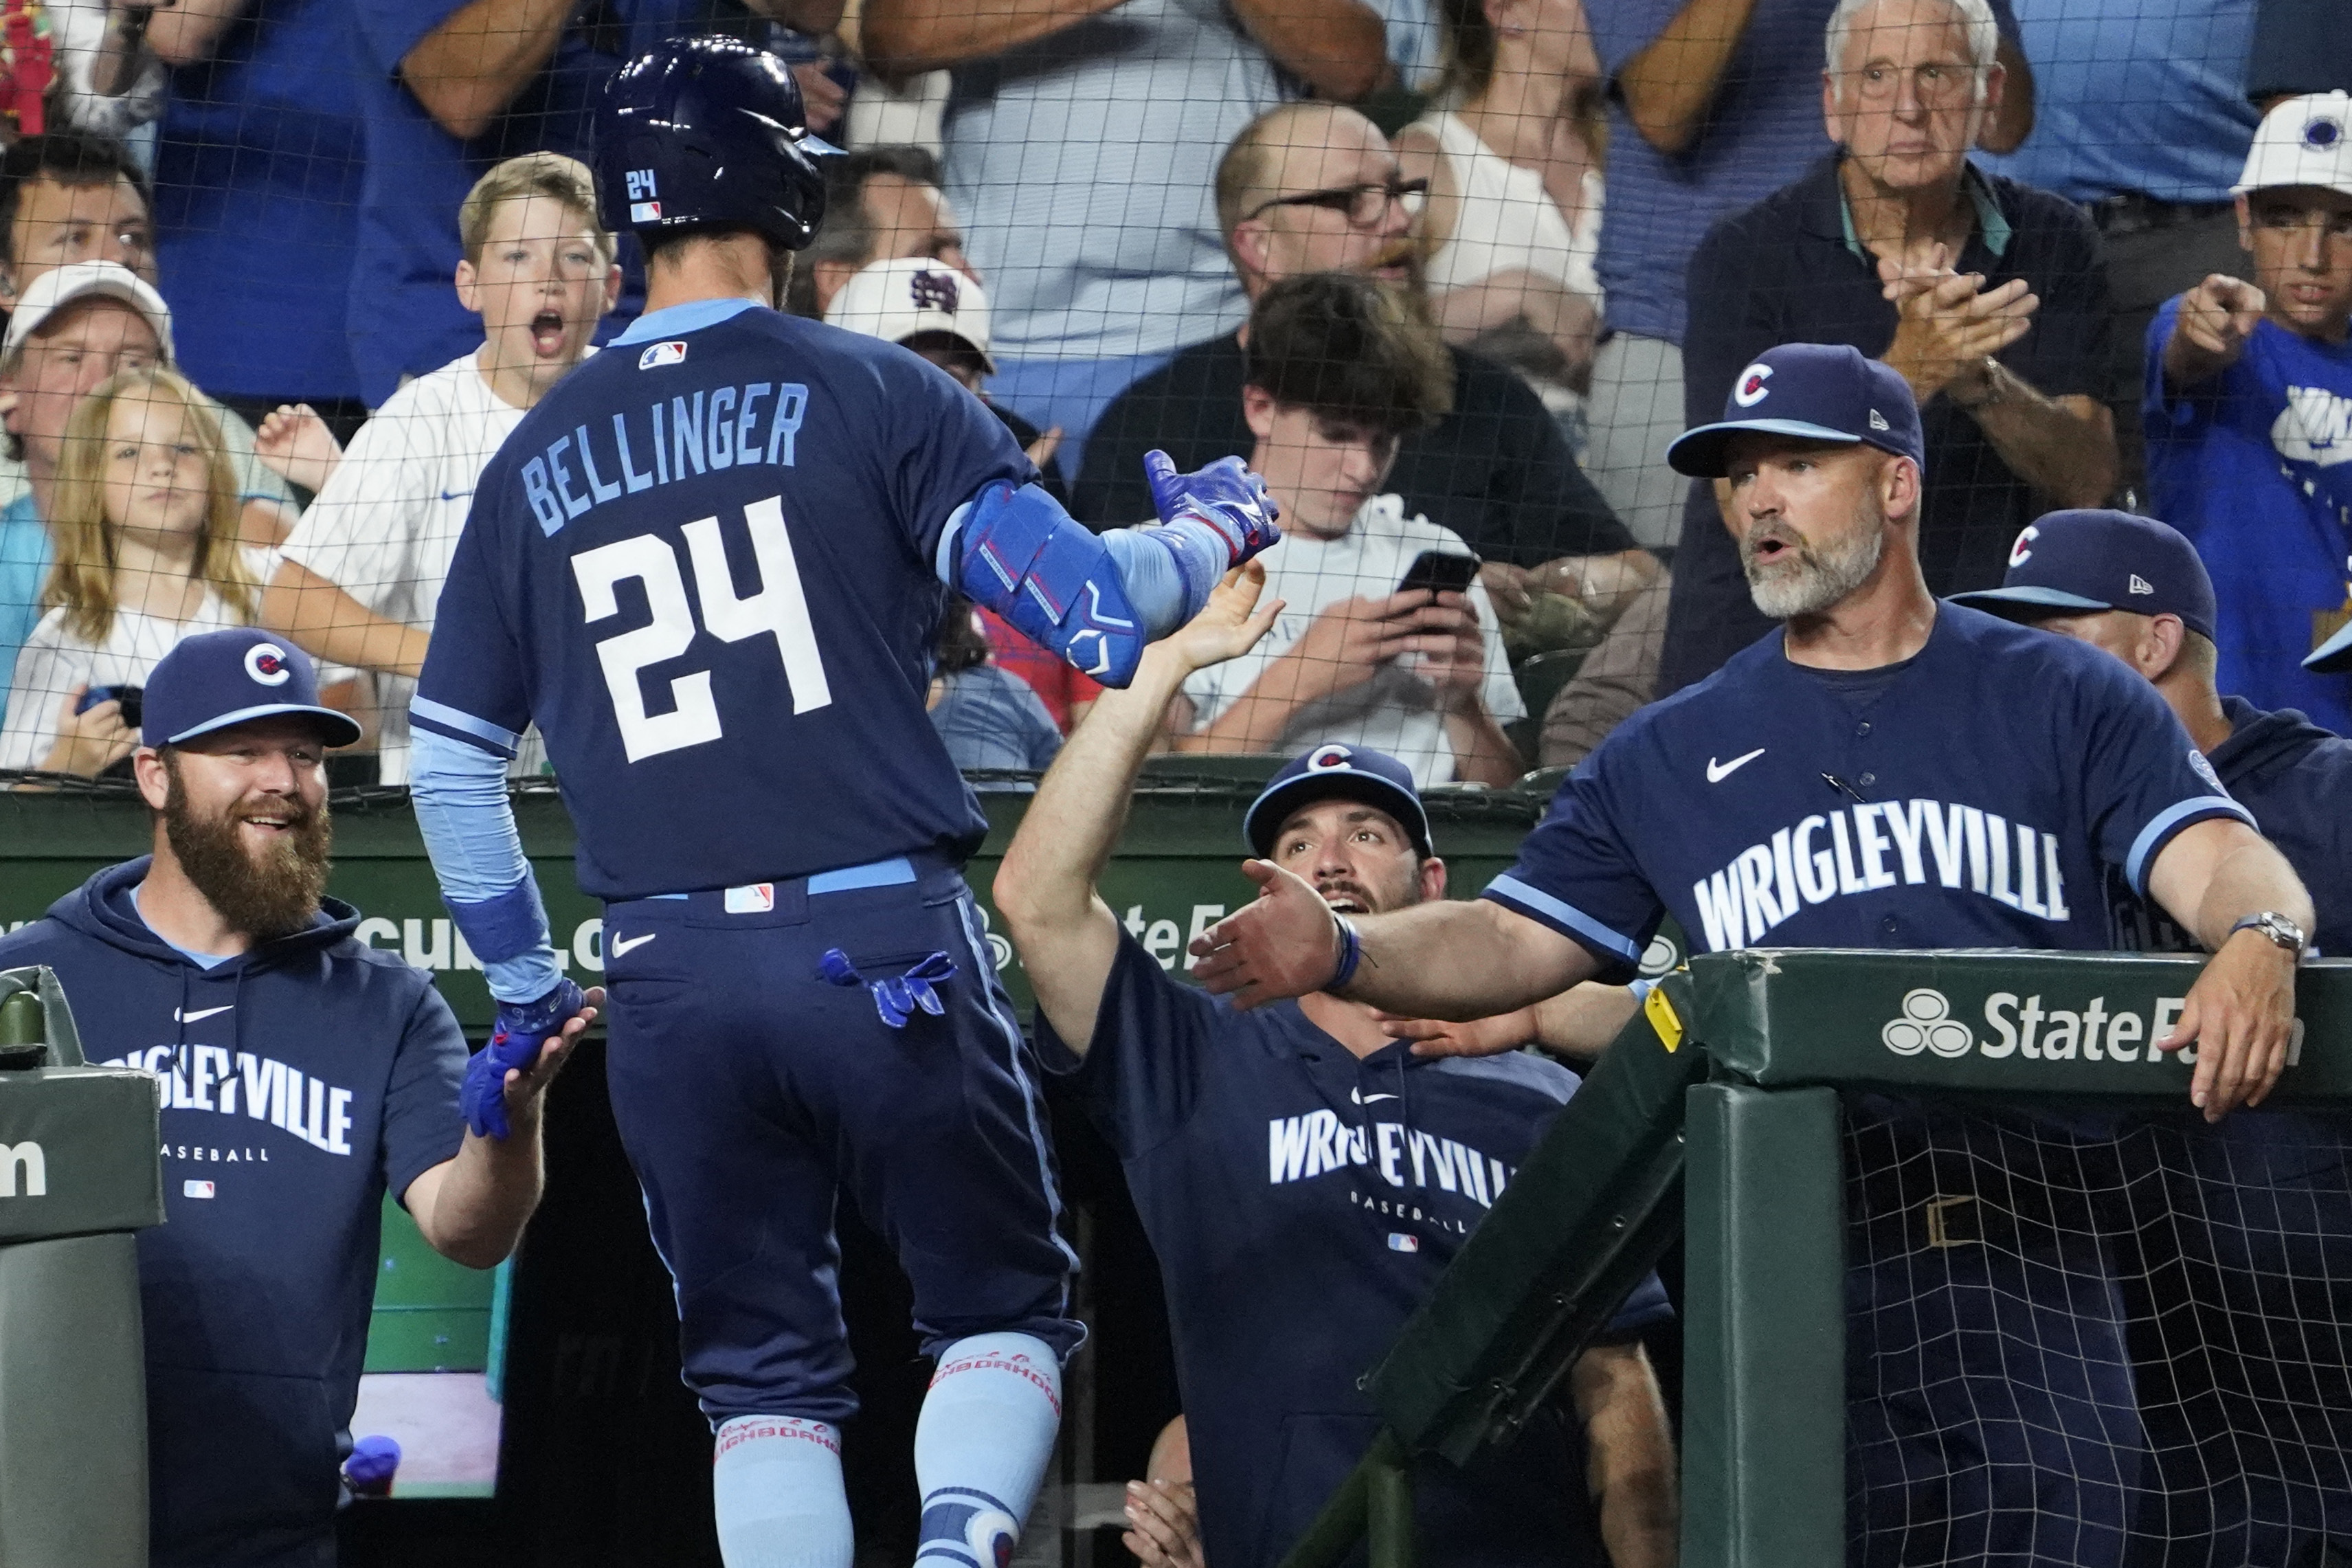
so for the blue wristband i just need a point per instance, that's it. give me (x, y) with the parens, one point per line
(1351, 953)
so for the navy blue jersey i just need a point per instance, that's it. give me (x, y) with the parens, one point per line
(300, 1082)
(1969, 798)
(1303, 1203)
(704, 567)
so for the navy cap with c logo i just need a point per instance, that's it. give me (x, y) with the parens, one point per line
(215, 679)
(1337, 771)
(2092, 559)
(1817, 392)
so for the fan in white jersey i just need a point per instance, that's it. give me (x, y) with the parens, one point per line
(361, 573)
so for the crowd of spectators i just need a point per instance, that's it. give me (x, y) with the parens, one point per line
(1592, 217)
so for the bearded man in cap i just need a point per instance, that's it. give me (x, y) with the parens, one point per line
(304, 1075)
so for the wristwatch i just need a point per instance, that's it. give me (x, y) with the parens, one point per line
(1993, 390)
(2275, 926)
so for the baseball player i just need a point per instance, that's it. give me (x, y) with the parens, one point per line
(1303, 1179)
(710, 565)
(1886, 770)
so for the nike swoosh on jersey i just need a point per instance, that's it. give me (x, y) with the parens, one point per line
(201, 1014)
(1716, 773)
(1360, 1097)
(623, 946)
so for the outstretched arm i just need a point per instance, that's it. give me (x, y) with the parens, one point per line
(330, 625)
(1066, 936)
(1445, 959)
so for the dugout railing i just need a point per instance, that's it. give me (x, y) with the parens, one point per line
(1721, 1110)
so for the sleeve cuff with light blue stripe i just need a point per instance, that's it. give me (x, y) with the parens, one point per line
(1564, 918)
(424, 713)
(2171, 820)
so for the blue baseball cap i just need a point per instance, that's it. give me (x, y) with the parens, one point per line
(1821, 391)
(2095, 559)
(218, 679)
(2332, 656)
(1334, 771)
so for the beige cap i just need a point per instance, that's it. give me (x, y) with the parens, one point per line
(2305, 140)
(898, 299)
(55, 289)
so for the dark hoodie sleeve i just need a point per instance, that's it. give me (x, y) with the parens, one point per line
(422, 1124)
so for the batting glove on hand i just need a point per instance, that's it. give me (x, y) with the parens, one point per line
(522, 1028)
(1225, 496)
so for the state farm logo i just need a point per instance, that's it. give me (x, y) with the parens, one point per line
(1926, 1025)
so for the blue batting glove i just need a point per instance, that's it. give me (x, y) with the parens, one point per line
(1225, 496)
(522, 1028)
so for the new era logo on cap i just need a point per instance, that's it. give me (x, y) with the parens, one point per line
(2141, 585)
(1877, 420)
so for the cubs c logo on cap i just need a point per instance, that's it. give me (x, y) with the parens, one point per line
(1325, 758)
(1751, 389)
(2023, 551)
(266, 662)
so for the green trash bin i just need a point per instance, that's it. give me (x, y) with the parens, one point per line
(78, 1174)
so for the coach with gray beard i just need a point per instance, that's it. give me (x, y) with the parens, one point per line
(304, 1075)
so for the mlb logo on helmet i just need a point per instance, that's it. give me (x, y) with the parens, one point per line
(266, 662)
(660, 355)
(1752, 390)
(1325, 758)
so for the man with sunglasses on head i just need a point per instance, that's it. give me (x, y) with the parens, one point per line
(2248, 407)
(1314, 187)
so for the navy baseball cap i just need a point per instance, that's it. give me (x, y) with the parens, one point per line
(219, 678)
(2095, 559)
(2332, 656)
(1822, 392)
(1334, 771)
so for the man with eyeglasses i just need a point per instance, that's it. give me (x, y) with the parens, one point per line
(1987, 296)
(1315, 188)
(2248, 413)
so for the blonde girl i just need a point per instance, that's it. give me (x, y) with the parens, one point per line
(144, 529)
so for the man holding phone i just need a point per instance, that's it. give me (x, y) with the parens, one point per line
(1385, 641)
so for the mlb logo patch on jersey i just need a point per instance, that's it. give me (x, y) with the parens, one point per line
(660, 355)
(194, 1189)
(1400, 1242)
(752, 899)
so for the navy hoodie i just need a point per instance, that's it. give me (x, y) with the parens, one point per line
(301, 1080)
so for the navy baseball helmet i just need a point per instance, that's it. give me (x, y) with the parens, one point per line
(2091, 558)
(1819, 392)
(1333, 771)
(215, 679)
(707, 133)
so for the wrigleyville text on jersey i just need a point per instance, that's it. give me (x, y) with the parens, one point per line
(1867, 846)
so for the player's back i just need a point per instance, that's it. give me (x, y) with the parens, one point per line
(704, 564)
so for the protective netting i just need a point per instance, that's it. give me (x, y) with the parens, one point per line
(1596, 217)
(2098, 1337)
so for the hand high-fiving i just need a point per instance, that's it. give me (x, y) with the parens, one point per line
(1949, 321)
(2219, 315)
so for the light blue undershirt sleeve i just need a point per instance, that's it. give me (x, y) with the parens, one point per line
(460, 795)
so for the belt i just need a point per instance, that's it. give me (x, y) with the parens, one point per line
(761, 897)
(2134, 212)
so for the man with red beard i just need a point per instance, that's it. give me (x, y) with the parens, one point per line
(304, 1075)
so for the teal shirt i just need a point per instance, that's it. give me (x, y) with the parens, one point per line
(24, 565)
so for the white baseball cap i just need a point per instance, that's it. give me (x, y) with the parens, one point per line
(898, 299)
(55, 289)
(2305, 140)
